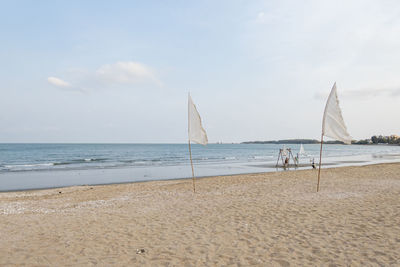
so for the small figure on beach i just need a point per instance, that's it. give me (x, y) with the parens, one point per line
(313, 164)
(286, 162)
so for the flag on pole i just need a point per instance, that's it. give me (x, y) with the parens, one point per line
(332, 123)
(197, 133)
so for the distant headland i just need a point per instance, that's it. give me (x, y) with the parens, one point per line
(376, 139)
(289, 141)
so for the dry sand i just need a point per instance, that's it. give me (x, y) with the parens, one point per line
(269, 219)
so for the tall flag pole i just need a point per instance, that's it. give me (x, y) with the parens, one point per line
(196, 132)
(332, 124)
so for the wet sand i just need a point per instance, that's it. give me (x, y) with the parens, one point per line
(268, 219)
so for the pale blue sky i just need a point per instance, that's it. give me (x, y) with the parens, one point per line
(119, 71)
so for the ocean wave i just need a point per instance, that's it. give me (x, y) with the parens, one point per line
(61, 163)
(49, 164)
(262, 157)
(140, 162)
(89, 159)
(23, 166)
(77, 161)
(28, 165)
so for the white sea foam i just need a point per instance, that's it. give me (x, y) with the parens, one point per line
(140, 163)
(28, 165)
(262, 157)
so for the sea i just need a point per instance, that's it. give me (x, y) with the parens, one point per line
(36, 166)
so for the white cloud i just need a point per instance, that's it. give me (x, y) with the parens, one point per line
(117, 75)
(58, 82)
(128, 72)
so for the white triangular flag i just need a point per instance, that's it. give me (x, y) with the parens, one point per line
(302, 151)
(333, 124)
(196, 131)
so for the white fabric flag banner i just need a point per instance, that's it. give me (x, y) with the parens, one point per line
(302, 151)
(333, 124)
(196, 131)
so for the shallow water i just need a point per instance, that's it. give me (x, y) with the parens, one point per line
(27, 166)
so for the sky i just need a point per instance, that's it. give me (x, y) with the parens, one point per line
(120, 71)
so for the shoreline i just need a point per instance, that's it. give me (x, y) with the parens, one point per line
(39, 166)
(278, 169)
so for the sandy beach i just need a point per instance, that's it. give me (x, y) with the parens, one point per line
(266, 219)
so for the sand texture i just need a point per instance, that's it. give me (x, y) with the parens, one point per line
(268, 219)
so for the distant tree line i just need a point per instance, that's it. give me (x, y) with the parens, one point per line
(361, 142)
(286, 141)
(376, 139)
(391, 139)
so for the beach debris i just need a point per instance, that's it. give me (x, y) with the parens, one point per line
(59, 192)
(140, 251)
